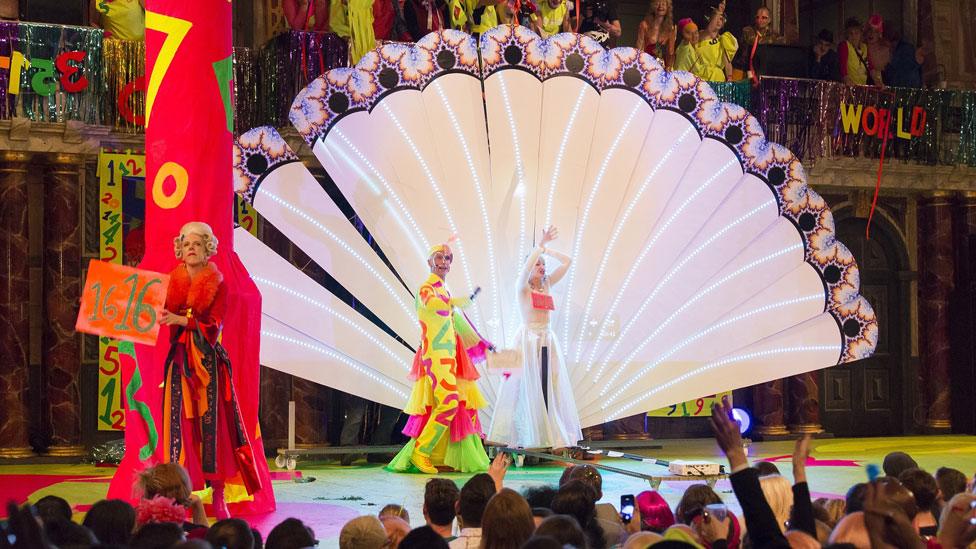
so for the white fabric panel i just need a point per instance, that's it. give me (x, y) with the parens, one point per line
(700, 336)
(623, 119)
(670, 144)
(460, 138)
(365, 175)
(292, 352)
(294, 202)
(802, 348)
(690, 207)
(295, 300)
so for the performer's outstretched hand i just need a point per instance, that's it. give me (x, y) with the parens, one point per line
(548, 235)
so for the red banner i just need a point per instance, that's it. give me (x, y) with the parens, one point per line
(188, 163)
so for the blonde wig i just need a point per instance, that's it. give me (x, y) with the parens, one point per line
(200, 229)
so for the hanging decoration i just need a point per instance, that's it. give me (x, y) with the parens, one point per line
(807, 117)
(124, 103)
(288, 63)
(119, 175)
(738, 92)
(50, 73)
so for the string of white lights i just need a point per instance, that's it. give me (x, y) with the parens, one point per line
(360, 260)
(717, 364)
(619, 226)
(691, 339)
(445, 209)
(337, 315)
(708, 290)
(557, 168)
(520, 194)
(644, 253)
(398, 209)
(483, 206)
(677, 268)
(594, 190)
(361, 369)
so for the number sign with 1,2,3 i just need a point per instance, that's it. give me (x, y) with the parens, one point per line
(122, 302)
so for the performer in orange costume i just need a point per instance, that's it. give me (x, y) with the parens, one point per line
(443, 407)
(202, 425)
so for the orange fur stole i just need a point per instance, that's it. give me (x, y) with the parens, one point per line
(197, 294)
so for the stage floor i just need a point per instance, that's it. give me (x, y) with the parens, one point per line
(339, 493)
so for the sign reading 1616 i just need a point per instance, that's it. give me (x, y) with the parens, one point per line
(122, 302)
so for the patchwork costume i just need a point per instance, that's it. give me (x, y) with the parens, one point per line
(445, 400)
(202, 425)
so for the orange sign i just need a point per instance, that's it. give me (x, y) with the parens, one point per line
(122, 302)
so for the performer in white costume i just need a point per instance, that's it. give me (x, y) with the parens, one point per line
(536, 407)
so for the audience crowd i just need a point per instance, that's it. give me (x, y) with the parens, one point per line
(905, 507)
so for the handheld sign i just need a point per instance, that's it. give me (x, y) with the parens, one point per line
(122, 302)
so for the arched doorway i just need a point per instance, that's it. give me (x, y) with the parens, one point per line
(868, 397)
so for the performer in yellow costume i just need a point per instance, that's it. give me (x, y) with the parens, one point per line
(443, 406)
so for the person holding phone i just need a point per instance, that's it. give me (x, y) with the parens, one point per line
(536, 407)
(443, 427)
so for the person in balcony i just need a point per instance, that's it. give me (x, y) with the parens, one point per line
(879, 50)
(686, 57)
(307, 15)
(823, 58)
(853, 55)
(656, 32)
(717, 48)
(121, 19)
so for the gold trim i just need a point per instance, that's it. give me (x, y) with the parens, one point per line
(66, 451)
(629, 436)
(772, 430)
(938, 424)
(17, 452)
(968, 195)
(807, 428)
(15, 156)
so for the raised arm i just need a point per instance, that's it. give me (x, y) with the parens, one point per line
(564, 263)
(526, 272)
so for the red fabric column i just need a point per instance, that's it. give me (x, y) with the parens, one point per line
(189, 140)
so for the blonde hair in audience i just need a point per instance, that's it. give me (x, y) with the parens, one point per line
(779, 495)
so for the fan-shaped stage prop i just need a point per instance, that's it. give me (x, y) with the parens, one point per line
(702, 260)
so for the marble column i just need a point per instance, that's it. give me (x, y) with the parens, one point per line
(62, 291)
(804, 403)
(964, 229)
(935, 284)
(14, 306)
(768, 408)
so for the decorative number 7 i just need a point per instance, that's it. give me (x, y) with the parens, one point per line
(176, 30)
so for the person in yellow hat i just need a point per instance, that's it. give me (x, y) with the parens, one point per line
(444, 427)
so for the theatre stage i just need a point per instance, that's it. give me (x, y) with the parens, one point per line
(339, 493)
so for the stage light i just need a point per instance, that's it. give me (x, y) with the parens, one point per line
(742, 416)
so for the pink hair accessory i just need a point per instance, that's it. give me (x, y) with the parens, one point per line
(160, 509)
(876, 22)
(682, 23)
